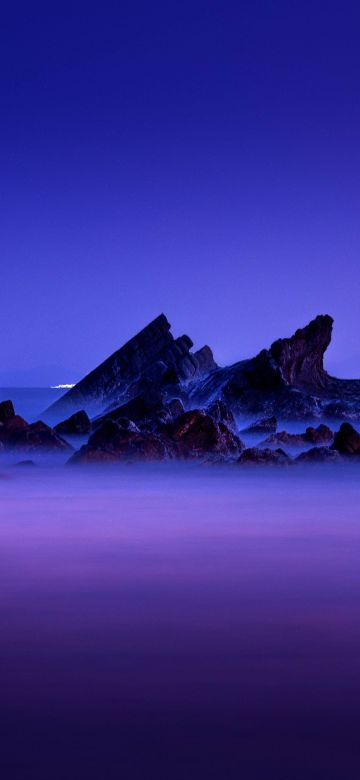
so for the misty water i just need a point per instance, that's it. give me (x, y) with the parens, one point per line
(179, 622)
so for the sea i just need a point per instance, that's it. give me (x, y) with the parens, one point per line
(178, 622)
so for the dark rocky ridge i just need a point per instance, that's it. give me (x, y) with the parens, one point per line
(287, 380)
(153, 358)
(17, 435)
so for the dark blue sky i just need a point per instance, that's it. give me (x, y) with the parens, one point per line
(200, 159)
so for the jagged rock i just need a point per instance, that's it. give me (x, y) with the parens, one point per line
(6, 411)
(199, 434)
(149, 412)
(320, 435)
(347, 440)
(191, 435)
(318, 455)
(112, 430)
(124, 445)
(153, 358)
(221, 413)
(288, 380)
(139, 408)
(76, 425)
(17, 434)
(266, 456)
(300, 358)
(264, 425)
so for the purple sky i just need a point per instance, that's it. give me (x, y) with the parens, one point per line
(196, 158)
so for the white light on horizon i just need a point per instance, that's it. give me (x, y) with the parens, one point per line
(62, 387)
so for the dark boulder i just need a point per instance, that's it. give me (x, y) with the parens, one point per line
(6, 411)
(17, 434)
(125, 446)
(76, 425)
(198, 434)
(347, 440)
(320, 435)
(318, 455)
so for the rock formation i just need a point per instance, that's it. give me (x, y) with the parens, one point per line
(288, 380)
(152, 359)
(18, 435)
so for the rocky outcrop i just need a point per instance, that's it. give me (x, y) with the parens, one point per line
(6, 411)
(77, 425)
(221, 413)
(300, 359)
(347, 440)
(318, 455)
(288, 380)
(18, 435)
(192, 435)
(199, 434)
(152, 359)
(265, 425)
(312, 436)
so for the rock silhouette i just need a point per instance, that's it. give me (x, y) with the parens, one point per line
(288, 380)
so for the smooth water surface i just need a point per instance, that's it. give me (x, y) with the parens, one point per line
(180, 624)
(188, 623)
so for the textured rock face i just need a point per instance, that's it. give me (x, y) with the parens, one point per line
(312, 436)
(300, 359)
(76, 425)
(319, 455)
(192, 435)
(152, 359)
(287, 380)
(199, 434)
(18, 435)
(347, 440)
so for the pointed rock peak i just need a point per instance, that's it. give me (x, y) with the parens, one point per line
(300, 358)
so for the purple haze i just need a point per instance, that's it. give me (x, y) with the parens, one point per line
(197, 158)
(177, 623)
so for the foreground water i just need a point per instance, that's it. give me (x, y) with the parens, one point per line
(197, 623)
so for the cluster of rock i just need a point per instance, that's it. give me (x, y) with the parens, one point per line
(155, 399)
(168, 432)
(287, 380)
(19, 436)
(149, 428)
(165, 432)
(152, 360)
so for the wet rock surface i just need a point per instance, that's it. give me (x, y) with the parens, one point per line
(288, 380)
(192, 435)
(153, 359)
